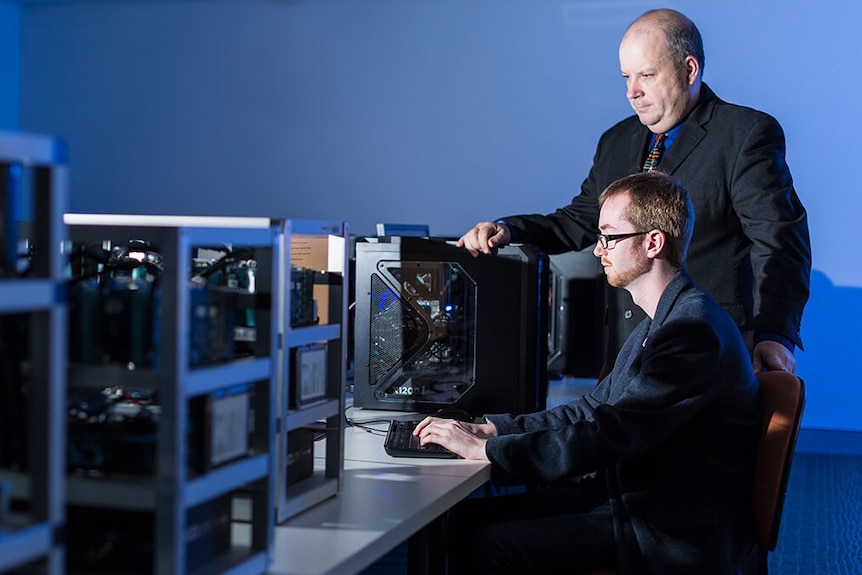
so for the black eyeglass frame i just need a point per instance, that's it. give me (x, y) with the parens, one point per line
(606, 239)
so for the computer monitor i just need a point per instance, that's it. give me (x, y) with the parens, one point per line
(416, 230)
(437, 328)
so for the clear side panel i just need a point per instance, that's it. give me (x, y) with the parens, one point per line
(422, 331)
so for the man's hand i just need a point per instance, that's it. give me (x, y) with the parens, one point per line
(466, 440)
(485, 236)
(772, 356)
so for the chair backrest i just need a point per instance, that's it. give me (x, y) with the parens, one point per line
(782, 396)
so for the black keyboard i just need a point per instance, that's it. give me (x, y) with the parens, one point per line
(400, 442)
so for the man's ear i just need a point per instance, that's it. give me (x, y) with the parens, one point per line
(655, 243)
(691, 67)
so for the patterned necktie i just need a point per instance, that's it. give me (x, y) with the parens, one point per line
(655, 153)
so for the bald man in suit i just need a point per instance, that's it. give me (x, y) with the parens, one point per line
(750, 250)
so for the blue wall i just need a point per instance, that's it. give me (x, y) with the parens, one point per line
(10, 65)
(439, 112)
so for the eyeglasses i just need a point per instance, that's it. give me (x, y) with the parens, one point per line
(609, 241)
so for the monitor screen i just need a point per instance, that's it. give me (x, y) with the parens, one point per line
(417, 230)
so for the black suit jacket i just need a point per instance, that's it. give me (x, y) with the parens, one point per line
(751, 249)
(675, 425)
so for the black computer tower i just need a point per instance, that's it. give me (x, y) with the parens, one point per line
(576, 320)
(438, 329)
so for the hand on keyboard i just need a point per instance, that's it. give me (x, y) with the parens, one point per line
(400, 442)
(465, 438)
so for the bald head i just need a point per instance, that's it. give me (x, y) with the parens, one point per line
(660, 58)
(681, 36)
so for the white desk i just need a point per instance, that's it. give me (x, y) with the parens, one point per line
(384, 500)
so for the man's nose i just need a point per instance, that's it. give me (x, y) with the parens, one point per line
(598, 250)
(633, 89)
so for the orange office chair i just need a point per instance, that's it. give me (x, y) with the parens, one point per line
(782, 397)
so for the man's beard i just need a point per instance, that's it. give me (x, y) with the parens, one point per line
(622, 278)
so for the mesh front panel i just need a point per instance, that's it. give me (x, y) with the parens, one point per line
(396, 332)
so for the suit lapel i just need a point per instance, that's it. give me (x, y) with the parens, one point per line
(692, 133)
(636, 154)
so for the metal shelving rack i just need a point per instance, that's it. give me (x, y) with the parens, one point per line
(322, 247)
(172, 491)
(33, 192)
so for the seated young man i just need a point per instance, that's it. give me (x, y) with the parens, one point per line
(662, 449)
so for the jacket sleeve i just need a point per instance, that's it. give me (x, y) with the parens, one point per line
(776, 223)
(595, 432)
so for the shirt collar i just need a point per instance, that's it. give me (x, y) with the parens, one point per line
(669, 136)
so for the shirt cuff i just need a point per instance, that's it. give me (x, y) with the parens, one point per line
(772, 336)
(513, 235)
